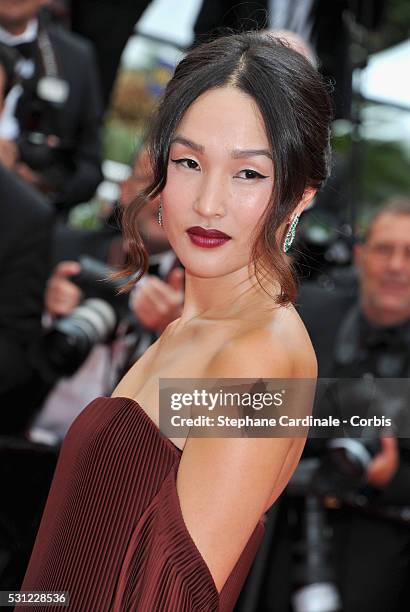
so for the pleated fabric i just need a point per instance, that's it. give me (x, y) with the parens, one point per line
(112, 532)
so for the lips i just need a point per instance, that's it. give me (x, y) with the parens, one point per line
(211, 233)
(207, 239)
(395, 286)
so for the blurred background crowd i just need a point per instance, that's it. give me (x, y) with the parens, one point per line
(78, 83)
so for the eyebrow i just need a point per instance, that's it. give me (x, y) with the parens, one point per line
(236, 153)
(187, 143)
(239, 153)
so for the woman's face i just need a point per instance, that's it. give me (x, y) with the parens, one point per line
(220, 176)
(14, 14)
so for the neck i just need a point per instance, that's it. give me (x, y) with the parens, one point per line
(15, 28)
(383, 317)
(223, 297)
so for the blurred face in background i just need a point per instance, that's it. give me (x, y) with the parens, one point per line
(383, 263)
(15, 14)
(152, 233)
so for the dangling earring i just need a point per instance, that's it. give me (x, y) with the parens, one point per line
(160, 213)
(290, 235)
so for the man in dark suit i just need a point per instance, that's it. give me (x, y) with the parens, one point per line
(59, 112)
(25, 237)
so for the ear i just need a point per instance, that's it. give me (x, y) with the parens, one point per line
(306, 200)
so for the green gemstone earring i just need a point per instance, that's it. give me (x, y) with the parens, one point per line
(290, 234)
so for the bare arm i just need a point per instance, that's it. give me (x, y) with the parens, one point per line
(226, 484)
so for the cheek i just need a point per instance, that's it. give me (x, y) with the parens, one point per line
(375, 271)
(370, 269)
(178, 194)
(249, 206)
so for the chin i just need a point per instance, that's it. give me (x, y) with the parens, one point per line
(204, 271)
(209, 269)
(392, 305)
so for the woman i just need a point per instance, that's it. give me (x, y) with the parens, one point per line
(137, 521)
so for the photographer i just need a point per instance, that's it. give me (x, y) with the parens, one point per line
(141, 319)
(365, 339)
(59, 111)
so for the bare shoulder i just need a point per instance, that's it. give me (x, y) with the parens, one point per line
(278, 348)
(226, 484)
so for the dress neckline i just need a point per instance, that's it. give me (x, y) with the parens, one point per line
(151, 423)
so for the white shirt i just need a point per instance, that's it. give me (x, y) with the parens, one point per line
(25, 67)
(9, 128)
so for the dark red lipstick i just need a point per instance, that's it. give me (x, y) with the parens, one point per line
(207, 239)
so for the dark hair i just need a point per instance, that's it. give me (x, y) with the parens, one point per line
(295, 105)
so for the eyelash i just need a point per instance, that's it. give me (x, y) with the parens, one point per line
(180, 162)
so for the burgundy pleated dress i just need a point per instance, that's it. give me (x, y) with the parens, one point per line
(112, 532)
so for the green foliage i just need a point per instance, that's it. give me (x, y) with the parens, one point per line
(86, 216)
(397, 21)
(120, 140)
(385, 172)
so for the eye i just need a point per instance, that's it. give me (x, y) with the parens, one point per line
(250, 174)
(186, 163)
(382, 249)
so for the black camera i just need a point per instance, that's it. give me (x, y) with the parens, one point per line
(42, 143)
(39, 144)
(65, 346)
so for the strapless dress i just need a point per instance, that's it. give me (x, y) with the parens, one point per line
(112, 532)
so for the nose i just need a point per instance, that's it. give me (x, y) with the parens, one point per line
(397, 260)
(212, 196)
